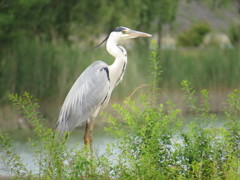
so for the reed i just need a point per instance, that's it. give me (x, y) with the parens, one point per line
(206, 68)
(48, 69)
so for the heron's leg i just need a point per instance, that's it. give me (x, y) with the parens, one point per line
(86, 136)
(90, 134)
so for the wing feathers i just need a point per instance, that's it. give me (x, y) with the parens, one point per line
(85, 97)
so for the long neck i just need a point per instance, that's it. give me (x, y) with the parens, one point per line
(117, 69)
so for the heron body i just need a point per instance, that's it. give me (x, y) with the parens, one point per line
(87, 95)
(92, 90)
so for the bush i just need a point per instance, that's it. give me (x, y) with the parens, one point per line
(194, 36)
(52, 156)
(234, 34)
(153, 143)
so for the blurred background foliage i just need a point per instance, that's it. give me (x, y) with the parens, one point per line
(194, 36)
(50, 19)
(44, 44)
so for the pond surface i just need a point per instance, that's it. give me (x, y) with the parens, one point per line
(24, 149)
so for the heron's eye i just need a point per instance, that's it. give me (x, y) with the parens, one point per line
(125, 31)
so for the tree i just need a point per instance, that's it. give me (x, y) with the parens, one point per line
(57, 18)
(158, 13)
(19, 18)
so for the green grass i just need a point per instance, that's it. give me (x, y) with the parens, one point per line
(48, 69)
(42, 68)
(205, 68)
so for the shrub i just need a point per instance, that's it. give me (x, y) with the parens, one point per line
(153, 142)
(234, 34)
(194, 36)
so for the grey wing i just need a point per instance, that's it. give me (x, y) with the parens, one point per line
(85, 97)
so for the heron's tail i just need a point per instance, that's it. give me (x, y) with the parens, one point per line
(60, 131)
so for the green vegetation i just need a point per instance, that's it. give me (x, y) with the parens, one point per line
(44, 48)
(44, 43)
(234, 34)
(51, 19)
(39, 66)
(48, 70)
(152, 141)
(211, 68)
(194, 36)
(37, 52)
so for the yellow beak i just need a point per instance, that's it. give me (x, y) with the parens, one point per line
(134, 34)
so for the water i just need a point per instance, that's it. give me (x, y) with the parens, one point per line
(23, 147)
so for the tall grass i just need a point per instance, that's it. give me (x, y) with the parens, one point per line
(48, 69)
(205, 68)
(42, 68)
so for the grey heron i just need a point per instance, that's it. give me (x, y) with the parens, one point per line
(92, 90)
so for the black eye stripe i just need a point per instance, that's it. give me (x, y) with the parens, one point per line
(119, 29)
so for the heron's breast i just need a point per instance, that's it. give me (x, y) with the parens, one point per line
(116, 75)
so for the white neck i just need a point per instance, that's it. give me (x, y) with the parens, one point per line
(116, 70)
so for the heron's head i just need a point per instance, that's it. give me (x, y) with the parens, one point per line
(123, 33)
